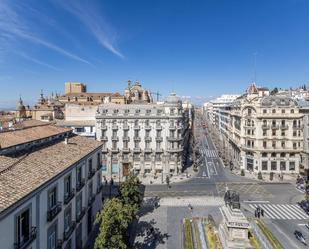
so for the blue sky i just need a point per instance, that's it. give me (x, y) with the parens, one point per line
(196, 48)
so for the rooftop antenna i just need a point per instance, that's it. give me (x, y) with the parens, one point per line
(254, 54)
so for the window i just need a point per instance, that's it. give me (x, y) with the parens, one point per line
(52, 198)
(79, 129)
(282, 155)
(147, 157)
(264, 165)
(147, 145)
(158, 157)
(282, 122)
(273, 132)
(264, 144)
(158, 133)
(292, 154)
(158, 145)
(147, 133)
(67, 186)
(273, 154)
(294, 133)
(23, 227)
(282, 133)
(114, 133)
(249, 111)
(274, 144)
(125, 144)
(79, 204)
(283, 144)
(264, 132)
(292, 166)
(273, 165)
(67, 218)
(52, 237)
(264, 111)
(292, 110)
(136, 133)
(90, 165)
(264, 154)
(283, 111)
(273, 111)
(282, 165)
(294, 146)
(136, 144)
(114, 145)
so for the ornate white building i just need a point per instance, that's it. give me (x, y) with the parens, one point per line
(146, 138)
(263, 133)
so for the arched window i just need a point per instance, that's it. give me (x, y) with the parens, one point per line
(292, 110)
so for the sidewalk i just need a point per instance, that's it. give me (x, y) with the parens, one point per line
(158, 180)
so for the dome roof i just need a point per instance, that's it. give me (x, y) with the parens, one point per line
(173, 99)
(20, 106)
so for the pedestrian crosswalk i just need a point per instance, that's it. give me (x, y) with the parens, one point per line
(211, 153)
(281, 211)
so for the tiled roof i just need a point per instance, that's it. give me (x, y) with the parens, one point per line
(22, 175)
(92, 94)
(12, 138)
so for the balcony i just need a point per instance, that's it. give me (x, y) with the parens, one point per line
(99, 189)
(80, 216)
(136, 138)
(298, 127)
(27, 240)
(114, 150)
(159, 127)
(284, 127)
(147, 127)
(125, 150)
(126, 138)
(68, 196)
(137, 127)
(148, 150)
(91, 173)
(103, 127)
(159, 150)
(104, 138)
(114, 127)
(180, 149)
(53, 212)
(172, 127)
(104, 150)
(125, 159)
(80, 185)
(159, 139)
(148, 139)
(125, 127)
(174, 138)
(265, 126)
(274, 126)
(137, 150)
(115, 138)
(68, 233)
(91, 200)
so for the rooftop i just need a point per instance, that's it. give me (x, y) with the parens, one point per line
(19, 176)
(28, 134)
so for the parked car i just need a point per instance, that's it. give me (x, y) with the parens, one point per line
(300, 237)
(304, 205)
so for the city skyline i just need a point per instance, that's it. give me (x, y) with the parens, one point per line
(186, 48)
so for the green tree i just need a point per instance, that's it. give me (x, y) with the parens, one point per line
(114, 220)
(130, 191)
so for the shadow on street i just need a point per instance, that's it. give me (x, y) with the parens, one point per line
(151, 235)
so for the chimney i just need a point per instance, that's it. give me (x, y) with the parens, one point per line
(66, 139)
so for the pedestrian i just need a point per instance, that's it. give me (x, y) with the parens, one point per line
(258, 214)
(262, 212)
(255, 213)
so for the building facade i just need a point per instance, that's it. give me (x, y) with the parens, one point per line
(146, 138)
(50, 188)
(263, 133)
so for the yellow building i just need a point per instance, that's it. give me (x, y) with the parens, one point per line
(74, 87)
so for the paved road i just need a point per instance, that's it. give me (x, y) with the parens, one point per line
(283, 217)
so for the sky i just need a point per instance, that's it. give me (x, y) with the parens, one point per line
(195, 48)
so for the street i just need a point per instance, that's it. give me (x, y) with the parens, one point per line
(279, 200)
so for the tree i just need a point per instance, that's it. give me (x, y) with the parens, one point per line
(114, 220)
(274, 91)
(130, 191)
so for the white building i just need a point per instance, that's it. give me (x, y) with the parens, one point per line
(144, 137)
(50, 185)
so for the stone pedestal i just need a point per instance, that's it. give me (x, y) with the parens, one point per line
(234, 228)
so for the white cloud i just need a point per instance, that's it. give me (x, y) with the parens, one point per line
(13, 27)
(29, 58)
(93, 20)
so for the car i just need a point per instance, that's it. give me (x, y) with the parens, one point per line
(304, 204)
(300, 237)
